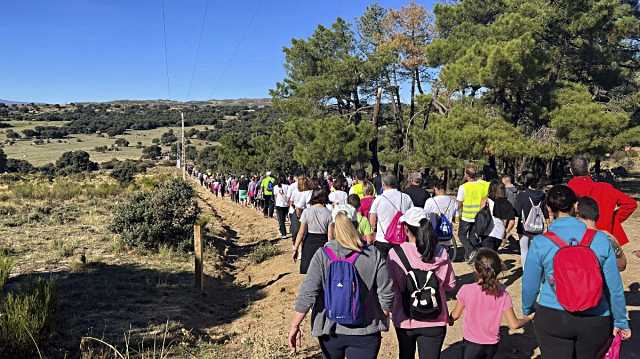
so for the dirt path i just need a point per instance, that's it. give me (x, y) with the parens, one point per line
(260, 332)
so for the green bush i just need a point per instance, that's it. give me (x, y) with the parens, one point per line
(126, 171)
(75, 162)
(263, 252)
(164, 215)
(26, 317)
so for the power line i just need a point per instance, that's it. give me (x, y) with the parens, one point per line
(166, 60)
(197, 53)
(241, 40)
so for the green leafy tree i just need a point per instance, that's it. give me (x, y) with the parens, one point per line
(75, 162)
(152, 152)
(3, 161)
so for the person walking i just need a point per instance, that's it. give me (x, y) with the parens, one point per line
(578, 310)
(358, 186)
(415, 191)
(504, 216)
(484, 304)
(384, 209)
(420, 253)
(267, 185)
(370, 296)
(530, 198)
(243, 189)
(471, 197)
(367, 200)
(314, 229)
(280, 191)
(339, 195)
(615, 206)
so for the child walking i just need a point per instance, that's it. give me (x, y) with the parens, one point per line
(484, 303)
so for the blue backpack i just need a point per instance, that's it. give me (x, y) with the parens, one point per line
(442, 225)
(342, 290)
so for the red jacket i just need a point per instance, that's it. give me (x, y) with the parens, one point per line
(615, 207)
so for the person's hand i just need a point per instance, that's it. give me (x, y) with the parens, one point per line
(624, 333)
(294, 254)
(531, 316)
(295, 338)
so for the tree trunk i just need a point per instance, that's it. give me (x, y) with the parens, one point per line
(375, 120)
(418, 82)
(429, 109)
(445, 178)
(356, 103)
(597, 167)
(412, 108)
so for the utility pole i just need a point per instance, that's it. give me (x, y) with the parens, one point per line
(183, 164)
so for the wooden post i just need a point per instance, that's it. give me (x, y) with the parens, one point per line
(198, 249)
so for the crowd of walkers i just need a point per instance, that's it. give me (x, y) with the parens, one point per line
(373, 254)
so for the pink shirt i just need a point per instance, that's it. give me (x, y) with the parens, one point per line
(443, 269)
(365, 206)
(482, 313)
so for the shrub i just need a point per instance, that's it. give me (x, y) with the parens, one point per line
(166, 214)
(26, 315)
(101, 149)
(3, 161)
(121, 142)
(126, 171)
(263, 252)
(19, 166)
(75, 162)
(152, 152)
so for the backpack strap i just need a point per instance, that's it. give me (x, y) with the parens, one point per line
(588, 237)
(329, 252)
(555, 239)
(351, 258)
(403, 258)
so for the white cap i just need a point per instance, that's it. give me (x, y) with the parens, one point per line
(268, 173)
(413, 216)
(348, 210)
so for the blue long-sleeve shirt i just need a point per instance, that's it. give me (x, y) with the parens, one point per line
(539, 268)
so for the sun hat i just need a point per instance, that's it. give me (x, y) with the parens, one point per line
(268, 173)
(413, 216)
(348, 210)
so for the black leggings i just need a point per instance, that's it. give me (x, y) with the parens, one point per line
(564, 335)
(428, 340)
(338, 346)
(479, 351)
(282, 216)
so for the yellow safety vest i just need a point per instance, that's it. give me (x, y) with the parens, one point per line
(358, 189)
(474, 193)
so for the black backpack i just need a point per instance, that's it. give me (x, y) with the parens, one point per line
(421, 297)
(483, 224)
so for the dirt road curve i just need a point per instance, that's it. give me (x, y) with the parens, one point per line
(261, 329)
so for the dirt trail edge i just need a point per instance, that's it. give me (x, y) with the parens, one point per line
(264, 306)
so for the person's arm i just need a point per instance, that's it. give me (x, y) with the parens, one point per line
(384, 285)
(307, 296)
(460, 199)
(626, 206)
(330, 231)
(456, 313)
(373, 219)
(616, 290)
(450, 278)
(532, 277)
(515, 322)
(510, 224)
(299, 239)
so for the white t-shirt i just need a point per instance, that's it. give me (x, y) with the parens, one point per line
(280, 193)
(385, 207)
(446, 205)
(498, 224)
(291, 192)
(338, 197)
(302, 199)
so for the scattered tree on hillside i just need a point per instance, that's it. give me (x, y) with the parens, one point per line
(75, 162)
(152, 152)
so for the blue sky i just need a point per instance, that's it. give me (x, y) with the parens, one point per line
(100, 50)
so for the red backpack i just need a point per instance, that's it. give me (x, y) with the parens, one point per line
(577, 275)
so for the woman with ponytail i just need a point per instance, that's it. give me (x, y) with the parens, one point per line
(484, 303)
(423, 254)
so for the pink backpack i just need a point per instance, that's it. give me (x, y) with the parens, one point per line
(395, 233)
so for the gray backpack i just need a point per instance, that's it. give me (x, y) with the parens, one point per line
(534, 223)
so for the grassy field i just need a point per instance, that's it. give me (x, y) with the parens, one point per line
(49, 152)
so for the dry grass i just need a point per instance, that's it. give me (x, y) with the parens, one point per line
(49, 152)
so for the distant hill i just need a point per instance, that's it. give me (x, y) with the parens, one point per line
(226, 102)
(9, 102)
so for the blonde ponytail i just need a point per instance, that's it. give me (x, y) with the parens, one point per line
(346, 234)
